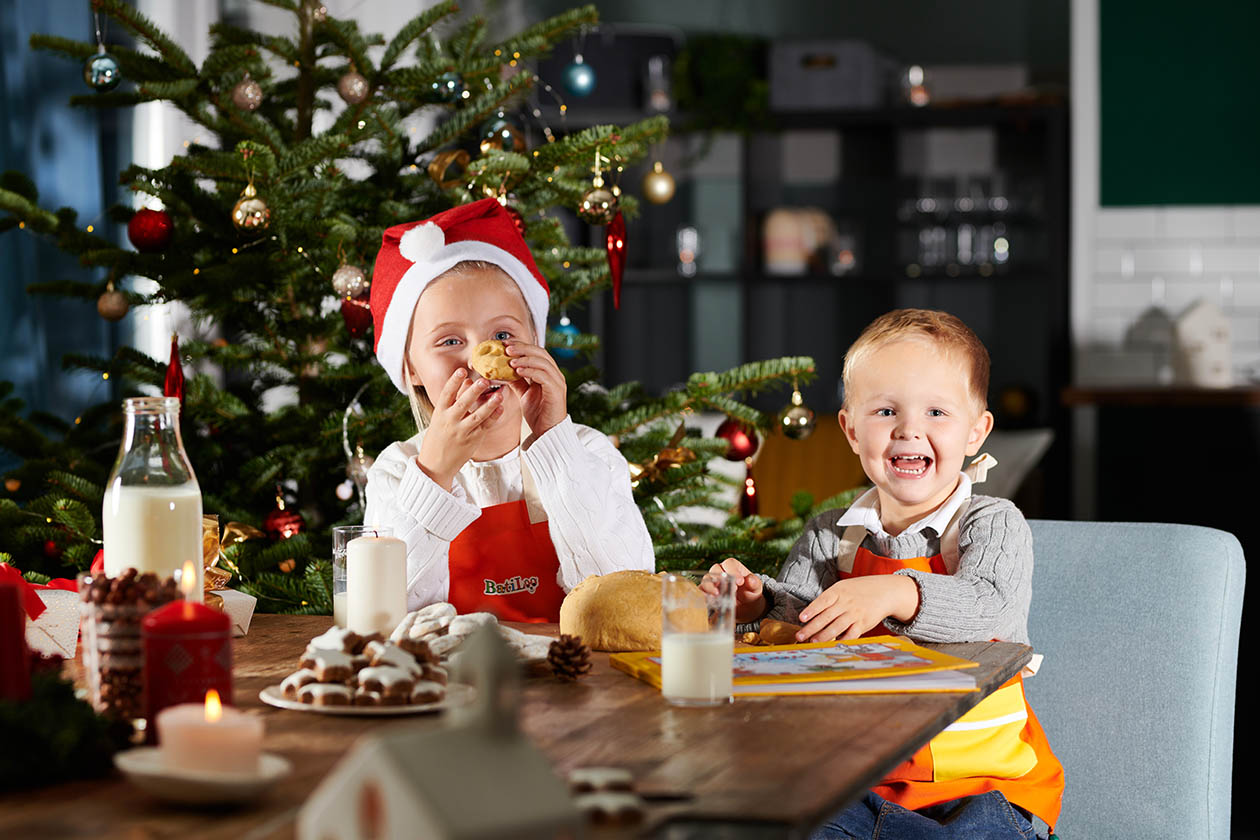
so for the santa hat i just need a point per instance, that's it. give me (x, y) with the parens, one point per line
(414, 254)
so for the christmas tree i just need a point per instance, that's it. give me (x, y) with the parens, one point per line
(263, 232)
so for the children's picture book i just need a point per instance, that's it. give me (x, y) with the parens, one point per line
(876, 664)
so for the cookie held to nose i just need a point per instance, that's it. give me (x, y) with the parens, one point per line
(490, 360)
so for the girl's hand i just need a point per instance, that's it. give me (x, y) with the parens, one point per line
(750, 598)
(457, 426)
(541, 389)
(849, 608)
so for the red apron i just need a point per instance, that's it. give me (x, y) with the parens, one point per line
(504, 564)
(997, 745)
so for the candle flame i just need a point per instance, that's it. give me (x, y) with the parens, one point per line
(214, 708)
(188, 579)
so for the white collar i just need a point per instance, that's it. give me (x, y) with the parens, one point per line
(865, 512)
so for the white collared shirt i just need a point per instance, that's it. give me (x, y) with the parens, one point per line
(865, 512)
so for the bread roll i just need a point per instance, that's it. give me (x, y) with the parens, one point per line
(775, 632)
(617, 612)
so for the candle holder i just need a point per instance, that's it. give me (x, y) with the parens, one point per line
(112, 608)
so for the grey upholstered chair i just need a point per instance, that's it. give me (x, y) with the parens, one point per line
(1139, 626)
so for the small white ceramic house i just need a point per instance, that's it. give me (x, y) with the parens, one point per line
(1201, 347)
(475, 779)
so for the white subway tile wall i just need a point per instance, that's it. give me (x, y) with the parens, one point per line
(1168, 257)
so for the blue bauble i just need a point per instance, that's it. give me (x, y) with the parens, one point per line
(579, 78)
(569, 331)
(448, 87)
(101, 71)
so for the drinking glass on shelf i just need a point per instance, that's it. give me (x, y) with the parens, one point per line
(342, 535)
(697, 640)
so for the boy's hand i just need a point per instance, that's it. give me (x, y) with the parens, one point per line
(750, 598)
(849, 608)
(457, 426)
(542, 387)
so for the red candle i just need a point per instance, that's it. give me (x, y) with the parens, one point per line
(15, 664)
(187, 652)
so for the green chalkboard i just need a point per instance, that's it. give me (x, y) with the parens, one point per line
(1180, 102)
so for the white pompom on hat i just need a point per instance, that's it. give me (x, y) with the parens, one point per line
(415, 254)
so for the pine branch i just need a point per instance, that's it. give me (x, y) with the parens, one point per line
(144, 29)
(413, 29)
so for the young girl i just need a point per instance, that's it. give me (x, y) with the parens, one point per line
(504, 502)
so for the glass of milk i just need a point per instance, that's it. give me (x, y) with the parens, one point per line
(342, 535)
(697, 640)
(151, 518)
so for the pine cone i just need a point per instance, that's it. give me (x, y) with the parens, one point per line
(568, 657)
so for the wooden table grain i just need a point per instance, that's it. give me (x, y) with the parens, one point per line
(765, 766)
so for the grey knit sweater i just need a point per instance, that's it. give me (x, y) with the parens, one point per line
(986, 598)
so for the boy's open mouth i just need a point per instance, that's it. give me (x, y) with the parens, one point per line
(910, 465)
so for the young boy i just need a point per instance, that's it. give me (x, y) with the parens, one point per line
(919, 555)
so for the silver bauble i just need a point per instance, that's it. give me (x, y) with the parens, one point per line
(349, 281)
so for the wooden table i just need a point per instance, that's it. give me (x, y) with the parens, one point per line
(769, 767)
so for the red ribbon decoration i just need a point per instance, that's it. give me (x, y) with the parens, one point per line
(31, 602)
(615, 241)
(174, 384)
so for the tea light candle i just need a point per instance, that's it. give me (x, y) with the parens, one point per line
(376, 584)
(197, 737)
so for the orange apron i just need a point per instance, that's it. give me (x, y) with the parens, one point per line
(998, 745)
(504, 564)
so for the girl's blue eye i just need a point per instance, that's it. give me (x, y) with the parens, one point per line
(935, 412)
(884, 412)
(502, 335)
(448, 342)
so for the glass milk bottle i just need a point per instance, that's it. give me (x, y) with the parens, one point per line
(152, 512)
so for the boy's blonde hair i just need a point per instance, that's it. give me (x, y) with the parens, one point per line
(421, 405)
(941, 329)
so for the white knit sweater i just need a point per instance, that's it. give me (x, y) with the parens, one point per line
(582, 481)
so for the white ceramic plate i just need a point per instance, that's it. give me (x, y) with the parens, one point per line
(145, 767)
(457, 694)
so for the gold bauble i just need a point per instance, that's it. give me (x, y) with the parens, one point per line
(598, 206)
(112, 305)
(353, 88)
(797, 420)
(658, 185)
(250, 213)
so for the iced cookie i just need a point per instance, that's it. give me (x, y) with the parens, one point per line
(329, 665)
(435, 673)
(291, 684)
(337, 638)
(443, 645)
(490, 359)
(419, 649)
(463, 625)
(381, 653)
(387, 680)
(325, 694)
(587, 779)
(427, 692)
(610, 807)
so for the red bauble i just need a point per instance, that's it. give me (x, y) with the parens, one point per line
(51, 549)
(357, 314)
(615, 241)
(150, 230)
(742, 438)
(282, 522)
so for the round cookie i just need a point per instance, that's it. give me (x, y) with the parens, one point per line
(490, 360)
(620, 611)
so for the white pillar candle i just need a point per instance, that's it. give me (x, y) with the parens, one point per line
(209, 737)
(376, 584)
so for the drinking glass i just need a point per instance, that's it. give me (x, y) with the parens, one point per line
(697, 640)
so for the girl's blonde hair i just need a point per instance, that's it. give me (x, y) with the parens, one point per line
(421, 405)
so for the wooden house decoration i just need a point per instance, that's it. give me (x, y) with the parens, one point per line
(1201, 347)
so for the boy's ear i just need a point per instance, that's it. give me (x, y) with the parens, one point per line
(979, 432)
(850, 429)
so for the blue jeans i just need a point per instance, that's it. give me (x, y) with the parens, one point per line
(987, 816)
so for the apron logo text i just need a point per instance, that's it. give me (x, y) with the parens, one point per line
(511, 586)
